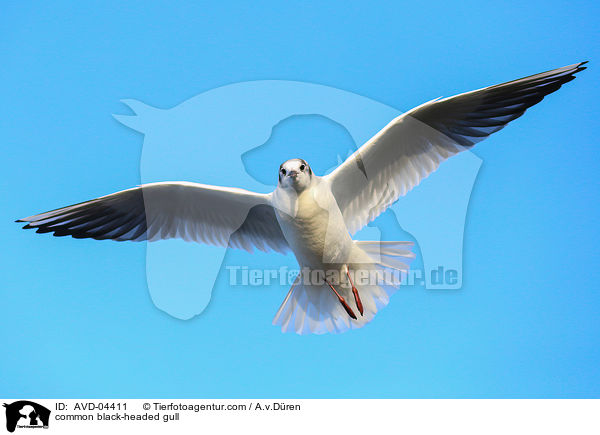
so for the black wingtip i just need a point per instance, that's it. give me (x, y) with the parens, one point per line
(580, 66)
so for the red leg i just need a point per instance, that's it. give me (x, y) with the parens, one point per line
(355, 293)
(342, 301)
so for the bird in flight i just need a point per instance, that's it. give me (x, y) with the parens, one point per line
(343, 282)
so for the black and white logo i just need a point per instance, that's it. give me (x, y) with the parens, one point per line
(26, 414)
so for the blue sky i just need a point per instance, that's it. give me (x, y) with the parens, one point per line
(78, 320)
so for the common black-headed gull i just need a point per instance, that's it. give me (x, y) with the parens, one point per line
(314, 216)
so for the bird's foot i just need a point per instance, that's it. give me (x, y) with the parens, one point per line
(342, 301)
(359, 304)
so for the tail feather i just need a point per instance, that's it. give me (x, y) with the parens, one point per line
(315, 309)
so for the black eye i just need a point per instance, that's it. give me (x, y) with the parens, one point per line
(302, 167)
(283, 171)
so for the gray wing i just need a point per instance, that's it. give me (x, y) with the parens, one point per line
(413, 145)
(214, 215)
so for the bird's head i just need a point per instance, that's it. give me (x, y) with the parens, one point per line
(295, 174)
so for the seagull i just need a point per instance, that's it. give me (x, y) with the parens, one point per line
(344, 282)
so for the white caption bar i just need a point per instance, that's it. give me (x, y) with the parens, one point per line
(290, 416)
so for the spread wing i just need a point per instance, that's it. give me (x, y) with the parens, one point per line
(413, 145)
(214, 215)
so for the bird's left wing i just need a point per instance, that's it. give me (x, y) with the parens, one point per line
(214, 215)
(413, 145)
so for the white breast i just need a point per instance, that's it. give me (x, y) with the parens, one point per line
(313, 225)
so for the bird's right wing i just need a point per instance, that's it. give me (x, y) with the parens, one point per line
(414, 144)
(214, 215)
